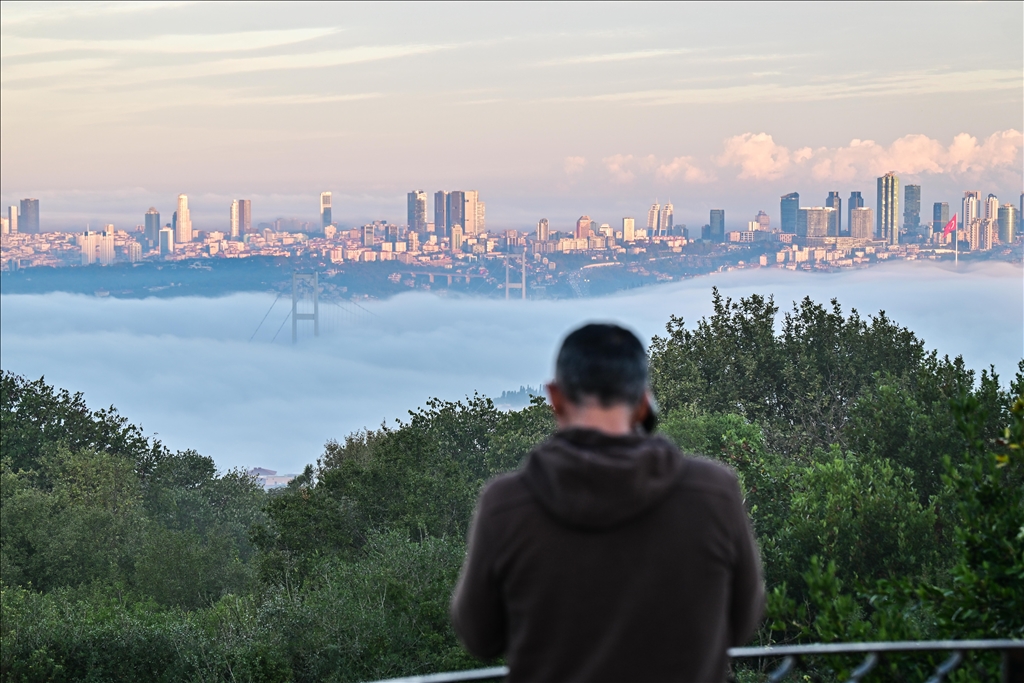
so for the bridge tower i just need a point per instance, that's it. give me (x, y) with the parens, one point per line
(314, 280)
(509, 285)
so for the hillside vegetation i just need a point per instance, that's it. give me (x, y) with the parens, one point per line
(886, 485)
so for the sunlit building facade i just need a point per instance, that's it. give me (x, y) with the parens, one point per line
(836, 202)
(887, 217)
(416, 211)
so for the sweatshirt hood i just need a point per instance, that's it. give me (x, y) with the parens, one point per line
(588, 479)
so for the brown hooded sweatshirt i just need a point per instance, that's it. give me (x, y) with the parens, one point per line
(610, 559)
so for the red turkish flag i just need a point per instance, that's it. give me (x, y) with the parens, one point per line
(950, 226)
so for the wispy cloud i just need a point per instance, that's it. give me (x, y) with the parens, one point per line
(111, 77)
(51, 12)
(18, 46)
(839, 87)
(615, 57)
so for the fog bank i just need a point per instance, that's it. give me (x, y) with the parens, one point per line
(185, 369)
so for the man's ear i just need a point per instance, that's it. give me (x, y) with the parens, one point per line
(557, 399)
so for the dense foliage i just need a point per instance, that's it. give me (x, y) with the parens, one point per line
(886, 486)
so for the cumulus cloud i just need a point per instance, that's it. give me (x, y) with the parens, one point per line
(759, 157)
(686, 169)
(184, 367)
(574, 165)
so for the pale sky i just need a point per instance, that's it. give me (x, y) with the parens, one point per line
(547, 110)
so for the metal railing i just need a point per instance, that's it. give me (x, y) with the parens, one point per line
(1012, 668)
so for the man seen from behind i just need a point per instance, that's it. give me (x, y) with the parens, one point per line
(609, 556)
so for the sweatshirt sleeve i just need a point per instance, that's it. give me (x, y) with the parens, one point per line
(477, 610)
(748, 599)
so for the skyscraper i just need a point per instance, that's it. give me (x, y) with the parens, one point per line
(325, 210)
(152, 229)
(583, 228)
(1008, 223)
(245, 216)
(232, 220)
(456, 210)
(105, 252)
(991, 208)
(29, 219)
(717, 224)
(469, 227)
(912, 208)
(481, 217)
(856, 201)
(836, 202)
(166, 242)
(789, 205)
(456, 238)
(416, 210)
(862, 223)
(441, 213)
(628, 230)
(888, 199)
(970, 208)
(543, 230)
(368, 236)
(665, 219)
(763, 221)
(815, 221)
(12, 219)
(652, 219)
(183, 226)
(88, 241)
(940, 215)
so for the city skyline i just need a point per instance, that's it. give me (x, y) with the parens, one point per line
(557, 112)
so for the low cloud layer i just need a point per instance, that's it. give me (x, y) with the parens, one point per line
(184, 368)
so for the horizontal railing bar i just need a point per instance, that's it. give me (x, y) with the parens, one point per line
(880, 646)
(499, 672)
(488, 674)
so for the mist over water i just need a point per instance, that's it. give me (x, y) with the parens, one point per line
(186, 370)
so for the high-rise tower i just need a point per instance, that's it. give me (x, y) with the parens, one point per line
(912, 208)
(628, 230)
(888, 200)
(970, 208)
(441, 213)
(584, 228)
(991, 208)
(856, 201)
(665, 219)
(469, 213)
(789, 205)
(717, 224)
(416, 211)
(233, 230)
(12, 219)
(652, 219)
(543, 230)
(861, 223)
(834, 201)
(244, 216)
(152, 231)
(183, 226)
(940, 215)
(29, 219)
(1009, 221)
(326, 217)
(456, 210)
